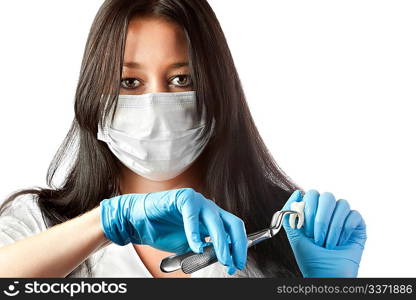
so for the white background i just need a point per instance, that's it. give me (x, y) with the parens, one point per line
(331, 86)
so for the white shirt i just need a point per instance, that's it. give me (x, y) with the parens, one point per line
(23, 218)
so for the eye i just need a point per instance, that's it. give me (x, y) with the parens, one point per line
(129, 83)
(184, 80)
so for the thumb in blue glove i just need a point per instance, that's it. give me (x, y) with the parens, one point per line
(175, 221)
(332, 239)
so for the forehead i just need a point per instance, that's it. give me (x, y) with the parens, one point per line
(152, 40)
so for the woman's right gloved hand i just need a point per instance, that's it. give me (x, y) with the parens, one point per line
(175, 221)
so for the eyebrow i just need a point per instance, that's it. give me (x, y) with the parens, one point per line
(136, 65)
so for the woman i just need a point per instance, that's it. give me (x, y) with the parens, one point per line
(167, 154)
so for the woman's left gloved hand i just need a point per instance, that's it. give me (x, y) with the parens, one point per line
(331, 241)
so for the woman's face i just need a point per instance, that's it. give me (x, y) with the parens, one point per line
(155, 58)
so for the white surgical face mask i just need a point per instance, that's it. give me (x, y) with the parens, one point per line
(156, 135)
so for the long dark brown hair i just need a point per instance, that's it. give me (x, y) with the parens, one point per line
(241, 176)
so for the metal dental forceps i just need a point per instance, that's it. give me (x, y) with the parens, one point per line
(190, 262)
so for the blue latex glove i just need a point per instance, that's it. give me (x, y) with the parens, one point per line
(175, 221)
(332, 239)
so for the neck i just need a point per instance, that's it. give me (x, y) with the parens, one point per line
(132, 183)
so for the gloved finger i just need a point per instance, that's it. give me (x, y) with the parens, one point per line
(218, 235)
(326, 206)
(237, 232)
(181, 250)
(231, 270)
(190, 214)
(352, 221)
(296, 196)
(342, 209)
(311, 205)
(359, 234)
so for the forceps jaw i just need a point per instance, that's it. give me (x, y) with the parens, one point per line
(277, 220)
(275, 226)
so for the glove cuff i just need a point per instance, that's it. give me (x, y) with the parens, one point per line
(112, 224)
